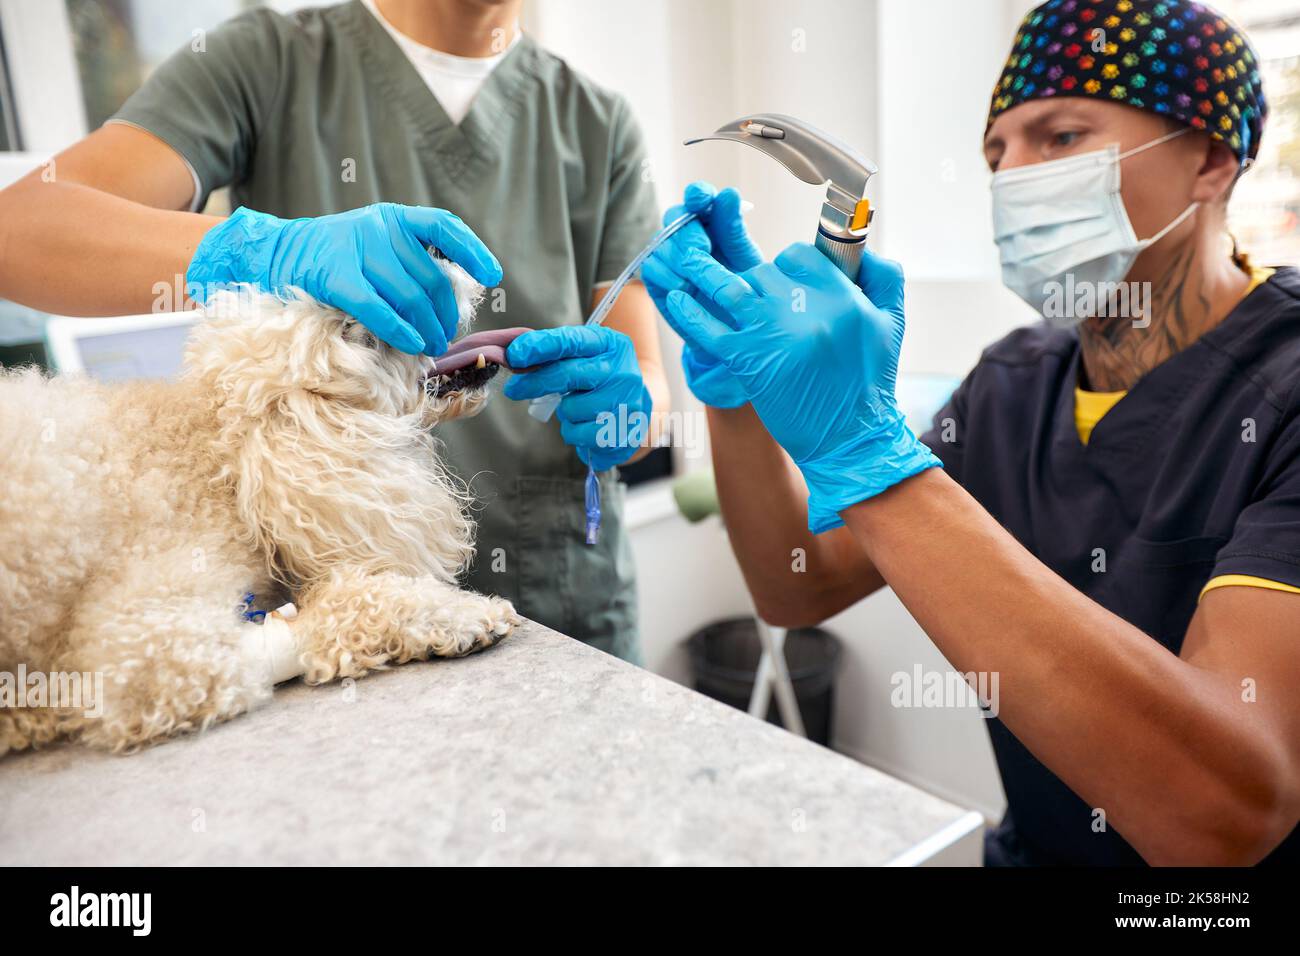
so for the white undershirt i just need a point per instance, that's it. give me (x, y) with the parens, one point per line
(454, 80)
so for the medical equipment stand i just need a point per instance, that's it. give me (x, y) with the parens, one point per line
(774, 675)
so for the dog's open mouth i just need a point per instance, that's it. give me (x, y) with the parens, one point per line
(471, 361)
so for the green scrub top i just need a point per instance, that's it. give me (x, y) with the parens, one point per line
(320, 112)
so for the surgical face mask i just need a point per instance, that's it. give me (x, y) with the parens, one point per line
(1065, 218)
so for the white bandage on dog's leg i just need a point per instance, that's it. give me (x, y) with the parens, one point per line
(270, 646)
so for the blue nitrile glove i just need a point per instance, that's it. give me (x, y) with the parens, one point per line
(605, 412)
(371, 263)
(818, 360)
(720, 230)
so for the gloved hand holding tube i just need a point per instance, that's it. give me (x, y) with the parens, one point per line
(817, 356)
(720, 230)
(595, 369)
(372, 263)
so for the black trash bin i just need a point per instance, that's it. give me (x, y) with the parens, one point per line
(725, 656)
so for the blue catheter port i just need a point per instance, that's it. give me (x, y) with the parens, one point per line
(593, 506)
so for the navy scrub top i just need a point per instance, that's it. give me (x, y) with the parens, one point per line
(1194, 474)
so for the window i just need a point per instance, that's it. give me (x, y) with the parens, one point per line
(1265, 211)
(118, 43)
(8, 121)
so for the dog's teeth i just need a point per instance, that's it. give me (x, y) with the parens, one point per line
(482, 362)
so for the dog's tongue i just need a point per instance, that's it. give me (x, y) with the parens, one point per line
(489, 345)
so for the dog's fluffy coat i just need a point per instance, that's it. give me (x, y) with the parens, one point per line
(293, 459)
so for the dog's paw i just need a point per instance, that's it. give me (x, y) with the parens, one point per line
(27, 729)
(481, 623)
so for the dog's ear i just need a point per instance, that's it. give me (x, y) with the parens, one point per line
(251, 348)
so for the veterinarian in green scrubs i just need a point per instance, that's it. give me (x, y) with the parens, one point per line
(329, 110)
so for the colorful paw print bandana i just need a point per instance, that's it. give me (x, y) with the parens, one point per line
(1174, 58)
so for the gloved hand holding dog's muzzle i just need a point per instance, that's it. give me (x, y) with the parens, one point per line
(818, 358)
(372, 263)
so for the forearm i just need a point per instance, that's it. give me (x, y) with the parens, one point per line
(634, 315)
(75, 250)
(656, 383)
(1182, 770)
(796, 578)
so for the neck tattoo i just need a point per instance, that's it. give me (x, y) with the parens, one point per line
(1119, 350)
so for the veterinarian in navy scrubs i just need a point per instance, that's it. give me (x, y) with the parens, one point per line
(1107, 513)
(438, 104)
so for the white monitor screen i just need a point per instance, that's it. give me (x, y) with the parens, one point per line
(142, 353)
(117, 348)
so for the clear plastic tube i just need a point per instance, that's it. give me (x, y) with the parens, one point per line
(543, 407)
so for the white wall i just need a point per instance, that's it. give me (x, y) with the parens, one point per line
(932, 89)
(688, 578)
(42, 69)
(935, 210)
(806, 59)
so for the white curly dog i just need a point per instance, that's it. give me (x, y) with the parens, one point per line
(293, 459)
